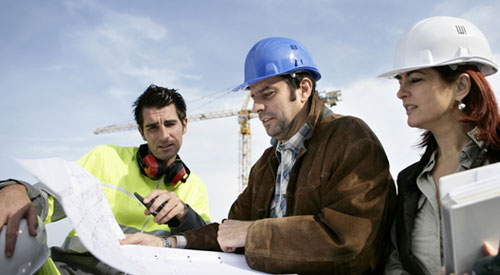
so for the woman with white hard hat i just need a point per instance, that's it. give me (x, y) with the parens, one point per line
(441, 64)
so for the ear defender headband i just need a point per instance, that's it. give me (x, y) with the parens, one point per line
(154, 168)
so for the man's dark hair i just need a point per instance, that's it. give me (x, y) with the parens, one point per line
(158, 97)
(293, 82)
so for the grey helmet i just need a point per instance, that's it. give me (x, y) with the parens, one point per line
(30, 252)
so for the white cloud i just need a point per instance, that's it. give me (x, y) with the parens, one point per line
(130, 48)
(57, 67)
(119, 92)
(130, 26)
(160, 74)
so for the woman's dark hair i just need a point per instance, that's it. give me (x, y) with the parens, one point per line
(481, 106)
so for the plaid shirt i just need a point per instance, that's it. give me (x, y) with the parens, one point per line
(286, 153)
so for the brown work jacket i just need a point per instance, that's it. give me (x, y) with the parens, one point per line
(340, 204)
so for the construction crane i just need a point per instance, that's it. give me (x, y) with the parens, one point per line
(133, 126)
(244, 145)
(244, 115)
(331, 98)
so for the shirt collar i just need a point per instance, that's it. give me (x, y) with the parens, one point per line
(474, 136)
(466, 156)
(295, 142)
(430, 163)
(470, 150)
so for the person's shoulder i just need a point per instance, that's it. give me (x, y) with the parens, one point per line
(114, 148)
(193, 182)
(113, 151)
(261, 163)
(404, 175)
(195, 179)
(346, 126)
(269, 151)
(409, 169)
(345, 122)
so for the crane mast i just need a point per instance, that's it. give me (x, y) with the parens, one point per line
(244, 145)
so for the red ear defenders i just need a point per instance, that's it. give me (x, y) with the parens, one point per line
(154, 168)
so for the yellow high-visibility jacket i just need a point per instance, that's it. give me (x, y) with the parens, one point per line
(116, 167)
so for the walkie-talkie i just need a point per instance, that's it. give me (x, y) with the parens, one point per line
(173, 222)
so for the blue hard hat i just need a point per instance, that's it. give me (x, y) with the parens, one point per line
(276, 56)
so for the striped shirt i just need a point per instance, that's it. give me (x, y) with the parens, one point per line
(286, 154)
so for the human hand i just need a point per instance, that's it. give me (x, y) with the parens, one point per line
(173, 206)
(15, 205)
(232, 234)
(490, 264)
(142, 239)
(489, 250)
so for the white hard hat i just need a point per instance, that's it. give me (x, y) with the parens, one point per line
(442, 40)
(30, 252)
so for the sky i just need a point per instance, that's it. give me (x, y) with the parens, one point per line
(68, 67)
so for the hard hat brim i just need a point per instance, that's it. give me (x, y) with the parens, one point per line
(486, 66)
(313, 71)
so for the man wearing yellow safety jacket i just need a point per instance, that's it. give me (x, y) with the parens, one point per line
(153, 170)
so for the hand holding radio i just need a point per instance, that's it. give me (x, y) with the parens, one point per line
(165, 206)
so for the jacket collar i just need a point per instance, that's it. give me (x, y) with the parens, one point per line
(317, 112)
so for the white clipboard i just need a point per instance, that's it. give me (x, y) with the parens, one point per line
(470, 215)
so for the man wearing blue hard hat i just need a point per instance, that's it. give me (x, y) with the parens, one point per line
(321, 199)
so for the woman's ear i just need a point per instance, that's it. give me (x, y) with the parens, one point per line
(463, 84)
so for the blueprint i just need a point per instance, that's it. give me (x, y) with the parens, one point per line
(85, 204)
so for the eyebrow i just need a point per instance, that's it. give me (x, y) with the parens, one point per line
(415, 71)
(263, 89)
(151, 125)
(410, 73)
(156, 123)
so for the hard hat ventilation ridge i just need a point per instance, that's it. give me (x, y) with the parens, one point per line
(461, 29)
